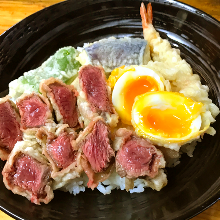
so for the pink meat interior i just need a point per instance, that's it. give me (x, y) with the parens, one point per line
(66, 102)
(61, 151)
(33, 112)
(94, 86)
(31, 175)
(9, 127)
(97, 148)
(138, 158)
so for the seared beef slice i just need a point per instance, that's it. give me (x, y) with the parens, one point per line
(137, 157)
(98, 156)
(31, 175)
(63, 100)
(61, 151)
(97, 147)
(93, 84)
(34, 110)
(10, 131)
(28, 175)
(94, 97)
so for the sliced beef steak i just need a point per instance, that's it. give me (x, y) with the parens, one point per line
(93, 83)
(94, 96)
(27, 173)
(98, 156)
(34, 110)
(95, 178)
(58, 147)
(66, 102)
(137, 157)
(61, 151)
(31, 175)
(63, 99)
(97, 147)
(10, 131)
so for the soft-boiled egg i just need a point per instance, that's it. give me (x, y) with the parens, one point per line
(167, 117)
(135, 81)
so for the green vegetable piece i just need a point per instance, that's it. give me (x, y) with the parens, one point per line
(61, 65)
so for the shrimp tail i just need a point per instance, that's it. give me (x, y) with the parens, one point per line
(148, 29)
(146, 15)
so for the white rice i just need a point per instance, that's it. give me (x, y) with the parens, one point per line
(76, 185)
(116, 182)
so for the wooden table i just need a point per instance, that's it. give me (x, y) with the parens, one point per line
(12, 11)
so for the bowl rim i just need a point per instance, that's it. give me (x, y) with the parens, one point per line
(184, 6)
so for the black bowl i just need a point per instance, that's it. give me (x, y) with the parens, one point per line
(194, 184)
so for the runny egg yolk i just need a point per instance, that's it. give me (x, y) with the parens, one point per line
(140, 85)
(171, 122)
(167, 117)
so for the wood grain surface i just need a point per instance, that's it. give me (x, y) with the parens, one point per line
(12, 11)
